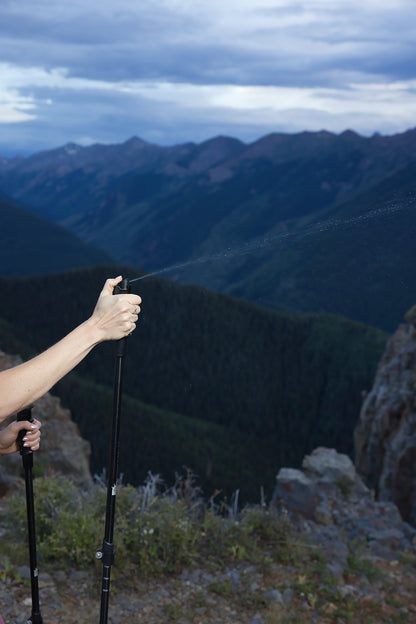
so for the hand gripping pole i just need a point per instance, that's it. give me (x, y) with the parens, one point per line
(106, 554)
(27, 458)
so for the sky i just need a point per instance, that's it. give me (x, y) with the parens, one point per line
(173, 71)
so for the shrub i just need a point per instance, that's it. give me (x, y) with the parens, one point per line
(68, 521)
(157, 530)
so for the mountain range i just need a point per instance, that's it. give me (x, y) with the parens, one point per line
(312, 221)
(299, 224)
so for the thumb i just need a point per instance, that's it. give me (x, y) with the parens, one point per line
(109, 285)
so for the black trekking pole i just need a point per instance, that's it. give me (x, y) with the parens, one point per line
(27, 457)
(106, 554)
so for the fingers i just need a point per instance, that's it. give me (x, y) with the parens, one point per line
(128, 310)
(127, 307)
(135, 311)
(108, 289)
(31, 438)
(130, 326)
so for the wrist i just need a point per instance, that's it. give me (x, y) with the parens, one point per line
(94, 334)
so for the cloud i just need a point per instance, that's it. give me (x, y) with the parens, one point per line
(180, 70)
(224, 42)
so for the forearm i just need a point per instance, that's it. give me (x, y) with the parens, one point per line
(27, 382)
(113, 318)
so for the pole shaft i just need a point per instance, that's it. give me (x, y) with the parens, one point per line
(28, 463)
(108, 544)
(114, 450)
(27, 459)
(107, 551)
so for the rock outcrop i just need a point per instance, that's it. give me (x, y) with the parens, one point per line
(63, 451)
(328, 500)
(385, 437)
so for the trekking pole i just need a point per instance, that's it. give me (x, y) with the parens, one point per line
(27, 458)
(106, 554)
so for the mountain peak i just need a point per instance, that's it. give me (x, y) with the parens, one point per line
(72, 149)
(350, 134)
(135, 141)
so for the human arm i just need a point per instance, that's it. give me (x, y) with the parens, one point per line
(8, 436)
(113, 318)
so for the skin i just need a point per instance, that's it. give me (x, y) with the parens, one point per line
(8, 436)
(113, 318)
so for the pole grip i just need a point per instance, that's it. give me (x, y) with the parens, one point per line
(24, 414)
(122, 289)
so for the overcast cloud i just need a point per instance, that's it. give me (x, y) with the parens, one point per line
(171, 71)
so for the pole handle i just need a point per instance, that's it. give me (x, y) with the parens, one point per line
(24, 414)
(122, 288)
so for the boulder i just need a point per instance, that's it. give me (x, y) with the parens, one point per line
(328, 499)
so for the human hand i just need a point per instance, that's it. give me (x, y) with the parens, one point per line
(115, 317)
(8, 436)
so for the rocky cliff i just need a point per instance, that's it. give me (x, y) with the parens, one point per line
(385, 437)
(63, 450)
(373, 502)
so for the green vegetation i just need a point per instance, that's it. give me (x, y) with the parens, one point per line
(231, 390)
(358, 564)
(160, 531)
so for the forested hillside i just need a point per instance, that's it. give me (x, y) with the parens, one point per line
(357, 259)
(32, 245)
(227, 388)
